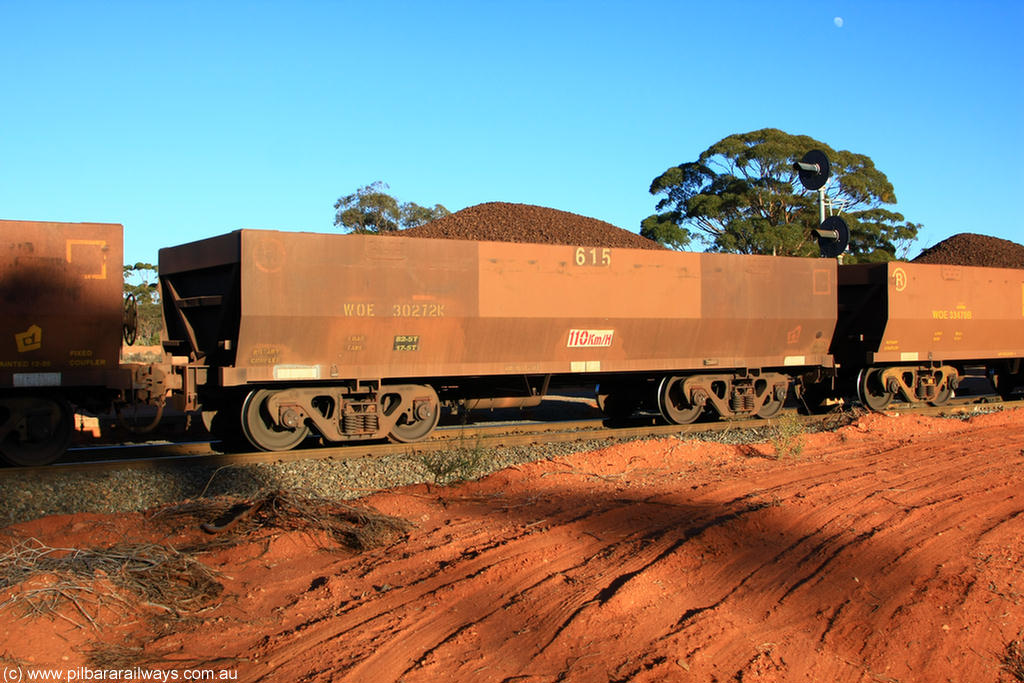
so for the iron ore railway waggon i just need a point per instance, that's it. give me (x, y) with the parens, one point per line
(279, 337)
(358, 337)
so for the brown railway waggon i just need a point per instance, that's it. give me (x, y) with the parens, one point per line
(909, 331)
(358, 337)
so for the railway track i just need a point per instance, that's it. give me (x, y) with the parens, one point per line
(485, 435)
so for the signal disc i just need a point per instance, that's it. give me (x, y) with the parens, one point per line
(814, 180)
(829, 246)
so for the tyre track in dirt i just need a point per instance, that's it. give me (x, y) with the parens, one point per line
(491, 570)
(924, 547)
(696, 580)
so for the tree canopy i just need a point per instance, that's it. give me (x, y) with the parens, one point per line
(371, 209)
(741, 195)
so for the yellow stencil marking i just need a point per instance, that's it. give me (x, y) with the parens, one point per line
(102, 244)
(899, 279)
(29, 340)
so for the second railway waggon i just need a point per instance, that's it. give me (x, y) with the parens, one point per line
(358, 337)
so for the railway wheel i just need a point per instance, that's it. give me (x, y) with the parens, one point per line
(942, 395)
(871, 391)
(36, 430)
(772, 406)
(418, 419)
(260, 429)
(675, 407)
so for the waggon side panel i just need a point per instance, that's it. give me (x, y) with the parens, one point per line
(773, 311)
(352, 306)
(322, 307)
(61, 290)
(943, 312)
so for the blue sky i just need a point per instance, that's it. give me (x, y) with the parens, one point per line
(183, 120)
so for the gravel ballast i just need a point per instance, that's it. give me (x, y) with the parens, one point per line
(32, 495)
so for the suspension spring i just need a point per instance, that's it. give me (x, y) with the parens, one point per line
(742, 401)
(360, 423)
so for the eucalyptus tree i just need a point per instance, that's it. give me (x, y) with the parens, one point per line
(742, 195)
(371, 209)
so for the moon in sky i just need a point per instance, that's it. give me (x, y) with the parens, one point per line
(838, 21)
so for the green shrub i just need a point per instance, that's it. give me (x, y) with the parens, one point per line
(788, 437)
(459, 464)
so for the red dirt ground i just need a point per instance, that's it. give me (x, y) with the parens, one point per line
(891, 550)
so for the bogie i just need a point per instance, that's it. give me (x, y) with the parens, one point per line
(281, 419)
(681, 399)
(877, 387)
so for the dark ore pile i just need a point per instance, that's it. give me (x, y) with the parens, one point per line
(969, 249)
(504, 222)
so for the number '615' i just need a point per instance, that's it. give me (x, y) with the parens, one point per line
(592, 256)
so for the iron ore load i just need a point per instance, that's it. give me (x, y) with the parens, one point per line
(280, 337)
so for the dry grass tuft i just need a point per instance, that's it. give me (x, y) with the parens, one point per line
(1012, 659)
(42, 580)
(114, 656)
(45, 579)
(122, 657)
(839, 417)
(233, 519)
